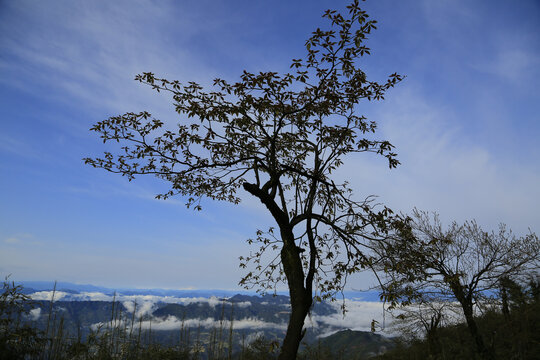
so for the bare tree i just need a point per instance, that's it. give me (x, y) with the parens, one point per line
(279, 138)
(424, 318)
(462, 263)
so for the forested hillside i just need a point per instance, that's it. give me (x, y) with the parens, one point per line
(510, 327)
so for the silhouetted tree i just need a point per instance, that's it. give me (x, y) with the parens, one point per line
(279, 138)
(424, 318)
(463, 264)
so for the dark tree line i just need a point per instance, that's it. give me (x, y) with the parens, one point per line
(509, 324)
(433, 268)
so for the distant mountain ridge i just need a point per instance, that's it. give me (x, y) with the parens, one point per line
(60, 286)
(68, 287)
(35, 286)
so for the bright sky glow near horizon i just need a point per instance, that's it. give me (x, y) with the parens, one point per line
(465, 122)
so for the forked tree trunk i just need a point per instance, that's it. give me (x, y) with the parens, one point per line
(300, 294)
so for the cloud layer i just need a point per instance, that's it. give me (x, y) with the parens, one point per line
(358, 316)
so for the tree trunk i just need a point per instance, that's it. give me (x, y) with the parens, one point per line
(294, 334)
(434, 344)
(467, 306)
(301, 298)
(481, 348)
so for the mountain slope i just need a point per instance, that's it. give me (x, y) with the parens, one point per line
(355, 345)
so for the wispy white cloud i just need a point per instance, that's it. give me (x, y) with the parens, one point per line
(141, 308)
(21, 238)
(359, 316)
(174, 323)
(91, 51)
(142, 304)
(50, 295)
(17, 147)
(35, 313)
(445, 169)
(443, 14)
(515, 64)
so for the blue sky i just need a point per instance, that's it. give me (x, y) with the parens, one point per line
(465, 123)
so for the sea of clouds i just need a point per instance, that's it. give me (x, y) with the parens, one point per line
(359, 313)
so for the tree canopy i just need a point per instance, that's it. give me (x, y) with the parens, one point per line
(279, 137)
